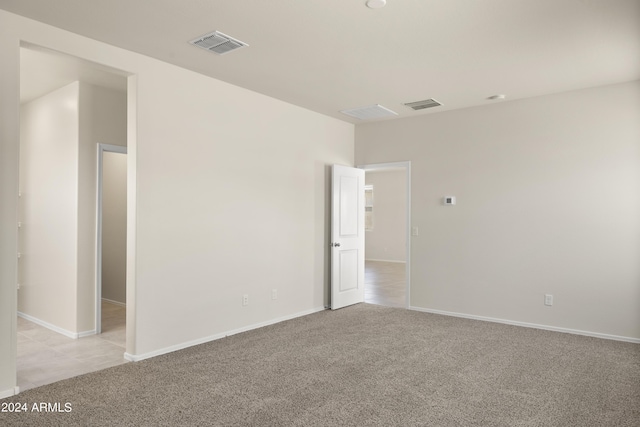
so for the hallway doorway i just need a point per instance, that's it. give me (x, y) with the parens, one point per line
(387, 236)
(63, 113)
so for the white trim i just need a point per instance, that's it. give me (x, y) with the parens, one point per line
(529, 325)
(170, 349)
(122, 149)
(100, 151)
(110, 301)
(407, 167)
(54, 328)
(386, 260)
(8, 393)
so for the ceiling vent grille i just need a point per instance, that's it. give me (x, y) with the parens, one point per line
(371, 112)
(218, 42)
(421, 105)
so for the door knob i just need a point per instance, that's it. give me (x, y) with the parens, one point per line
(336, 245)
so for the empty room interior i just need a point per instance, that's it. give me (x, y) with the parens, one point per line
(400, 212)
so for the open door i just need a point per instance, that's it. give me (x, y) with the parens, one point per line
(347, 236)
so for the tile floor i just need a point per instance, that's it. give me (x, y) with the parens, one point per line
(384, 283)
(45, 356)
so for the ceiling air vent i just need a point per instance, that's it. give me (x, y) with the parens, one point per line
(371, 112)
(218, 42)
(421, 105)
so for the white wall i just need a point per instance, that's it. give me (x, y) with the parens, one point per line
(387, 240)
(49, 208)
(229, 191)
(232, 197)
(114, 227)
(548, 201)
(9, 182)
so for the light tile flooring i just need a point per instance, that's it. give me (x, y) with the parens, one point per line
(45, 356)
(384, 283)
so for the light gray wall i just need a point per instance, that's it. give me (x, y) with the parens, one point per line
(548, 201)
(114, 227)
(387, 240)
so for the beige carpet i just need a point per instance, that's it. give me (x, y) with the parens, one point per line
(364, 365)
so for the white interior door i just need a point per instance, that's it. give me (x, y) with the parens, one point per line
(347, 236)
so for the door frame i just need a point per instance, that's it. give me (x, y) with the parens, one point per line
(102, 148)
(407, 167)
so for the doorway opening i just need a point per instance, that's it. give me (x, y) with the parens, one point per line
(387, 233)
(63, 113)
(111, 243)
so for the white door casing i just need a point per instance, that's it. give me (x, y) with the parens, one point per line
(347, 236)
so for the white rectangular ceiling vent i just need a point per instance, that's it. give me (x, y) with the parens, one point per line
(218, 42)
(371, 112)
(421, 105)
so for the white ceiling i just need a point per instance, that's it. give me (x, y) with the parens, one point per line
(331, 55)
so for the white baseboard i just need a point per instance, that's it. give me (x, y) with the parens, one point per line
(387, 260)
(110, 301)
(139, 357)
(10, 392)
(530, 325)
(54, 328)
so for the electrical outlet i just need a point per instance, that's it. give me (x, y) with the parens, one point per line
(274, 294)
(18, 286)
(245, 299)
(414, 231)
(548, 299)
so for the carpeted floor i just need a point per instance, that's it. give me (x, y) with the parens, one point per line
(363, 365)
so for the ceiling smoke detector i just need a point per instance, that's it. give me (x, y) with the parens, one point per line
(218, 42)
(370, 112)
(421, 105)
(376, 4)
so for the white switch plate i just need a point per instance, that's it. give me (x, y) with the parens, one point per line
(245, 299)
(548, 299)
(414, 231)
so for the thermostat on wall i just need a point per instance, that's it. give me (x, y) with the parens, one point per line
(449, 200)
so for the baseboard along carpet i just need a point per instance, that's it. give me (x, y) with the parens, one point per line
(363, 365)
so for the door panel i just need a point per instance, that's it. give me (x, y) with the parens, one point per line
(347, 237)
(348, 270)
(348, 206)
